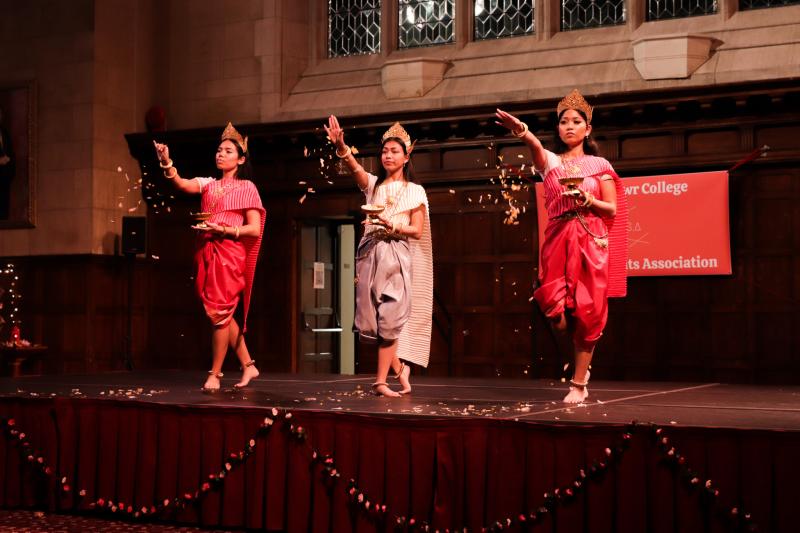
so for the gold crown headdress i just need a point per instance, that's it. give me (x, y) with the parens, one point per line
(576, 101)
(398, 132)
(231, 134)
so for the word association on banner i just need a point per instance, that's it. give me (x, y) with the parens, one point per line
(677, 263)
(659, 187)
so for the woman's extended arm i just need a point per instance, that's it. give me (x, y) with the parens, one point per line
(170, 172)
(520, 129)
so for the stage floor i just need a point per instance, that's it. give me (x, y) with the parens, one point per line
(537, 401)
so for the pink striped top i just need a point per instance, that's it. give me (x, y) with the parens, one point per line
(227, 201)
(591, 168)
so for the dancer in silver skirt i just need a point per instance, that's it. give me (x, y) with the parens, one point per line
(394, 262)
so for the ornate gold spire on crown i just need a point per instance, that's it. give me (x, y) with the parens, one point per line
(575, 100)
(231, 134)
(398, 132)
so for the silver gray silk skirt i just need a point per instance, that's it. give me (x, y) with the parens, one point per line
(383, 287)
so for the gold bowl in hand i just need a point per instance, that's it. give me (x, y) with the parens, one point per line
(200, 218)
(570, 182)
(371, 210)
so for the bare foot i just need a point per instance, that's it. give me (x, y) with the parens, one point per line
(382, 389)
(249, 372)
(576, 394)
(211, 384)
(404, 379)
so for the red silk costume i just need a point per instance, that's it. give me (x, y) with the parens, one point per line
(577, 273)
(225, 266)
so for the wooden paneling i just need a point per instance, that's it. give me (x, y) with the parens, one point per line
(477, 237)
(773, 280)
(705, 142)
(778, 137)
(467, 158)
(772, 328)
(726, 346)
(646, 146)
(77, 307)
(426, 161)
(477, 284)
(484, 277)
(446, 234)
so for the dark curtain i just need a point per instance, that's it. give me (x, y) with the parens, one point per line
(449, 472)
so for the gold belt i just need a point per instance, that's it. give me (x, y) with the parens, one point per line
(601, 240)
(566, 215)
(386, 236)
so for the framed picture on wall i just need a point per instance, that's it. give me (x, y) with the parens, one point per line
(17, 161)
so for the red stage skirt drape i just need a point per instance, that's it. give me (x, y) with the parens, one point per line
(450, 472)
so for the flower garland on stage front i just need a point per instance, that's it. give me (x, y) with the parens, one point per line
(377, 511)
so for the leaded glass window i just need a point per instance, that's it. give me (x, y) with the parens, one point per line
(671, 9)
(426, 22)
(758, 4)
(577, 14)
(503, 18)
(354, 27)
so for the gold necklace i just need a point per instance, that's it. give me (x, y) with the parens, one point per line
(392, 200)
(573, 170)
(219, 193)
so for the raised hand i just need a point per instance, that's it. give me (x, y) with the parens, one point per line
(162, 151)
(507, 120)
(335, 133)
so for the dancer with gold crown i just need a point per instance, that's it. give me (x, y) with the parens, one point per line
(228, 242)
(585, 245)
(394, 261)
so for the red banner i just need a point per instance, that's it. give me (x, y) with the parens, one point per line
(678, 224)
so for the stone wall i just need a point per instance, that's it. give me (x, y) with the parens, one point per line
(127, 59)
(234, 60)
(92, 66)
(265, 60)
(52, 45)
(727, 47)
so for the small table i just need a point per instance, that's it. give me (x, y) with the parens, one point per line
(15, 356)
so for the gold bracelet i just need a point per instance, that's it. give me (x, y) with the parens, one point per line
(521, 133)
(165, 167)
(346, 153)
(169, 174)
(237, 233)
(588, 201)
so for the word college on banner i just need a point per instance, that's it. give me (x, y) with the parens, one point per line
(678, 225)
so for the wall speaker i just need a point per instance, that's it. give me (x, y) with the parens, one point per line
(134, 235)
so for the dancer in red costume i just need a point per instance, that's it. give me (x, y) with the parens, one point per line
(585, 247)
(227, 250)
